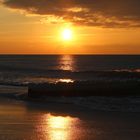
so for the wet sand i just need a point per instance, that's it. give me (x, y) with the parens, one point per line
(20, 120)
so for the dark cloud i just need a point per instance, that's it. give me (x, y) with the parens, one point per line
(105, 13)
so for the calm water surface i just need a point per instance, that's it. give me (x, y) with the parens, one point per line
(26, 121)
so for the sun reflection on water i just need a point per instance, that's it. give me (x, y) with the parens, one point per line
(58, 122)
(66, 80)
(59, 127)
(66, 62)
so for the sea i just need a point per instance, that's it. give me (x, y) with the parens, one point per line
(67, 118)
(25, 69)
(22, 70)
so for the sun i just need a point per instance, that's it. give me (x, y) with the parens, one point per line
(67, 34)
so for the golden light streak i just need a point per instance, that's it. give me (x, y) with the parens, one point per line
(66, 80)
(58, 127)
(66, 62)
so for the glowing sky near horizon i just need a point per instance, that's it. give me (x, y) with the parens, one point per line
(46, 27)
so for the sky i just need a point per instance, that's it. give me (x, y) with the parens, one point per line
(97, 26)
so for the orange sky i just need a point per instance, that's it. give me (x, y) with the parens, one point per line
(25, 33)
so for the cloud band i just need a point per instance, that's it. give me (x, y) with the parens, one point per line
(104, 13)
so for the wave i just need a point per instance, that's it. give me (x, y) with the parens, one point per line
(99, 103)
(23, 78)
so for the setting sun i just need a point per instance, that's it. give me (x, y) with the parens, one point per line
(67, 34)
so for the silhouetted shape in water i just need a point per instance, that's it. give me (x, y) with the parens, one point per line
(87, 88)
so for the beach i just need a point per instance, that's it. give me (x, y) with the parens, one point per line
(31, 120)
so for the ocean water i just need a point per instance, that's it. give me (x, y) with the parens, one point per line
(21, 70)
(31, 121)
(62, 118)
(25, 69)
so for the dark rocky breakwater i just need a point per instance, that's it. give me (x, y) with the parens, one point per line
(85, 89)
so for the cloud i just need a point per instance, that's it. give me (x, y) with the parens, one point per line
(104, 13)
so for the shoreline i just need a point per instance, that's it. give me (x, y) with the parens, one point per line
(95, 103)
(31, 120)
